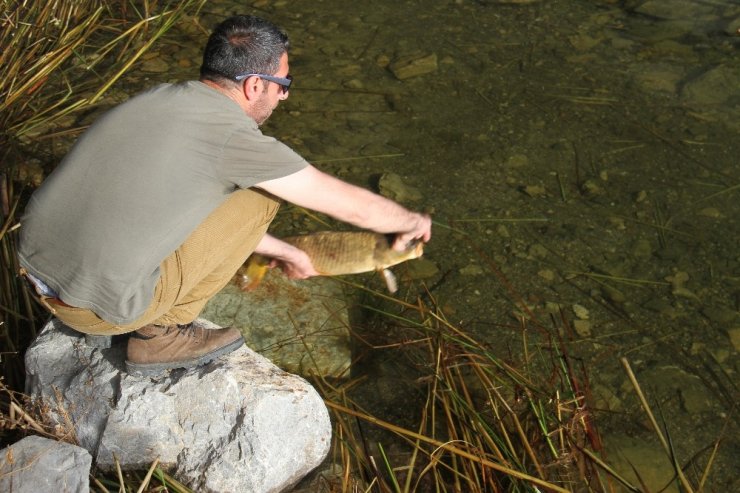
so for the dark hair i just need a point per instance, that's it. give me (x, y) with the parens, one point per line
(243, 44)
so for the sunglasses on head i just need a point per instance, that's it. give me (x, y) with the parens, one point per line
(283, 82)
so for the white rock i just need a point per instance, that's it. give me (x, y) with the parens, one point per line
(237, 424)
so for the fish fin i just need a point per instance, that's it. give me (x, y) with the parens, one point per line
(256, 268)
(390, 280)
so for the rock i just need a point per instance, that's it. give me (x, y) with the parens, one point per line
(711, 212)
(661, 306)
(590, 188)
(582, 327)
(583, 41)
(719, 314)
(286, 320)
(392, 186)
(613, 294)
(678, 288)
(547, 274)
(734, 336)
(676, 10)
(641, 461)
(30, 172)
(661, 78)
(471, 270)
(580, 311)
(156, 65)
(36, 464)
(604, 398)
(517, 161)
(534, 191)
(715, 86)
(695, 396)
(642, 248)
(236, 424)
(420, 268)
(414, 65)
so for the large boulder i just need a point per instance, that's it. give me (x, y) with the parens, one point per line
(237, 424)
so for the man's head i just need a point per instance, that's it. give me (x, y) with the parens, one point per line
(240, 53)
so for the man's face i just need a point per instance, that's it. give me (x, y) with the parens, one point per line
(272, 94)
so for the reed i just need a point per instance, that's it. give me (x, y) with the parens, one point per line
(485, 424)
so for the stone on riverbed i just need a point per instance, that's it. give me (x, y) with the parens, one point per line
(237, 424)
(301, 326)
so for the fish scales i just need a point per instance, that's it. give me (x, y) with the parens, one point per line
(336, 253)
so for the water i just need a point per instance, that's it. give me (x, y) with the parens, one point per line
(588, 151)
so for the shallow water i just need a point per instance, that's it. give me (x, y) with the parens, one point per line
(588, 151)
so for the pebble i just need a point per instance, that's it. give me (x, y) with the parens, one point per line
(613, 294)
(547, 274)
(155, 65)
(582, 327)
(471, 270)
(420, 268)
(415, 65)
(719, 314)
(642, 249)
(710, 212)
(734, 335)
(534, 190)
(580, 311)
(517, 161)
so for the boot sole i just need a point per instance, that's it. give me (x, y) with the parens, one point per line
(146, 369)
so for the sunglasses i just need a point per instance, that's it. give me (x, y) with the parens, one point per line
(283, 82)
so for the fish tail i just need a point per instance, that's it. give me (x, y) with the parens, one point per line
(256, 268)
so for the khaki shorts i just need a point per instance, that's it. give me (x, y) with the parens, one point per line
(193, 273)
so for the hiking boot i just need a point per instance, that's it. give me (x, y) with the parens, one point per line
(155, 348)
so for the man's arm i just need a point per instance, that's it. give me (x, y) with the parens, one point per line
(318, 191)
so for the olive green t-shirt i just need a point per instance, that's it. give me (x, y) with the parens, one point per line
(133, 188)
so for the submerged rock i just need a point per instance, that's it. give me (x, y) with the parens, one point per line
(413, 65)
(301, 326)
(392, 186)
(715, 86)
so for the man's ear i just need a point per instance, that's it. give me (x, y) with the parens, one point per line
(252, 87)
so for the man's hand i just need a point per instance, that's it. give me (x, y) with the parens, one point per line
(422, 231)
(294, 262)
(297, 266)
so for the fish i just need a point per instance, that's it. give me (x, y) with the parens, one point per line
(334, 253)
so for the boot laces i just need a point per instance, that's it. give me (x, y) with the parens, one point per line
(188, 330)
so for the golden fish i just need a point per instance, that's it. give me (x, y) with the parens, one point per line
(336, 253)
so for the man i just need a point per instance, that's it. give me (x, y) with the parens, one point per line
(161, 200)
